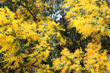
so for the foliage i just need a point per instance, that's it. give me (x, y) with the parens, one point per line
(31, 41)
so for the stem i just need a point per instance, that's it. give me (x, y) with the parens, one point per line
(19, 3)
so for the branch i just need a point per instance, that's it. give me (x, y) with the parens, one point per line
(19, 3)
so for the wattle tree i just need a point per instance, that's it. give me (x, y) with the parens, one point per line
(34, 40)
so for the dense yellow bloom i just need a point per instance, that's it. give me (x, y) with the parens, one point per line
(23, 39)
(68, 61)
(95, 60)
(29, 45)
(85, 16)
